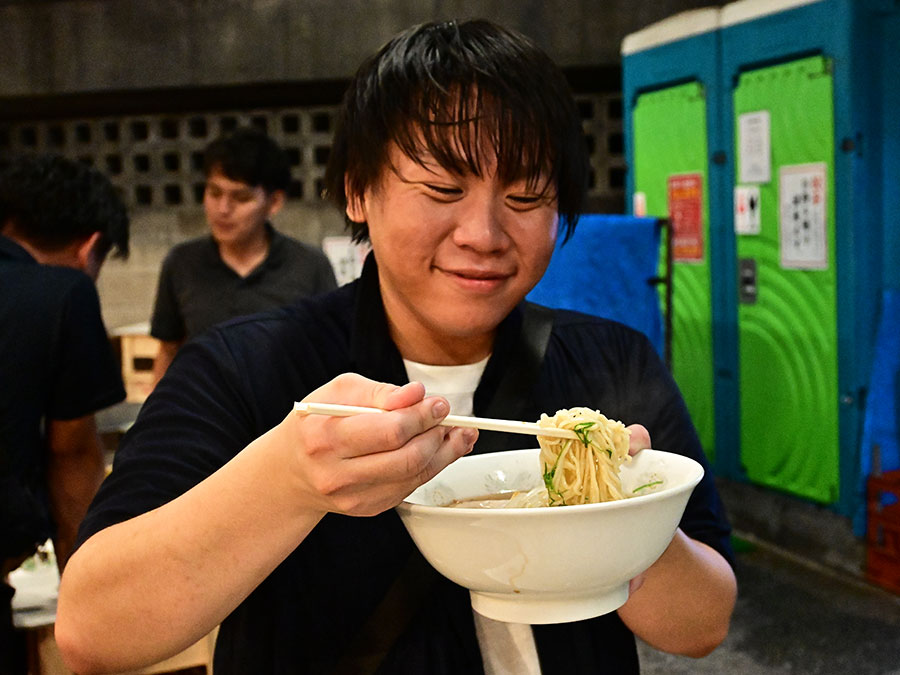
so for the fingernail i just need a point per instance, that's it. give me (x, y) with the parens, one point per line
(470, 436)
(440, 409)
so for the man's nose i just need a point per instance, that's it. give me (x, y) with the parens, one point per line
(222, 204)
(481, 227)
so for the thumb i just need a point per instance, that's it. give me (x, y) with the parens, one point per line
(638, 439)
(392, 397)
(354, 389)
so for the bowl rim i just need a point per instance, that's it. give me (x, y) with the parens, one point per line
(467, 511)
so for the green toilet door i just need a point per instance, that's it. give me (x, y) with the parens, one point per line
(670, 172)
(787, 312)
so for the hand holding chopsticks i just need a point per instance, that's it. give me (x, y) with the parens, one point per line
(486, 423)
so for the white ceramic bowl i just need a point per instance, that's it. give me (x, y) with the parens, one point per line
(546, 565)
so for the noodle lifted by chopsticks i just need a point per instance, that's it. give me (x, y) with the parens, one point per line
(583, 471)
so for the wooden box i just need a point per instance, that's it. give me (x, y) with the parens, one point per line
(138, 352)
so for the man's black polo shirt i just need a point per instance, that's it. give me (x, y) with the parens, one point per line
(197, 290)
(55, 364)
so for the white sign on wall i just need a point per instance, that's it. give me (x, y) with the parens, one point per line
(802, 221)
(346, 257)
(639, 204)
(755, 147)
(746, 209)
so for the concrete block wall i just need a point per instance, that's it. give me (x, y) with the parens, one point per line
(155, 161)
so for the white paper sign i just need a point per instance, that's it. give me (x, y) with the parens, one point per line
(746, 209)
(639, 204)
(802, 216)
(755, 145)
(346, 257)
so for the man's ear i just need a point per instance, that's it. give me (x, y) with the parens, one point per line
(88, 257)
(276, 201)
(356, 204)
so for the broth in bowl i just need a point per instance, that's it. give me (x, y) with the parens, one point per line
(498, 500)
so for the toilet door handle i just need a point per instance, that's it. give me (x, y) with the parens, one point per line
(747, 290)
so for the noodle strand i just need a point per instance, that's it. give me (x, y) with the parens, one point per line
(583, 471)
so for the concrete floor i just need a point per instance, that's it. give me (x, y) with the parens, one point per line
(793, 616)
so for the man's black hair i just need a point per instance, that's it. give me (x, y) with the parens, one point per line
(456, 91)
(248, 155)
(52, 201)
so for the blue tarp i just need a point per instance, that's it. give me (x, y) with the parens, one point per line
(604, 270)
(881, 422)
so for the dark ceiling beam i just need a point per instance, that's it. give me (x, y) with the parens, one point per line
(183, 100)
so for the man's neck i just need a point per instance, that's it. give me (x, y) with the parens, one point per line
(245, 256)
(422, 347)
(63, 257)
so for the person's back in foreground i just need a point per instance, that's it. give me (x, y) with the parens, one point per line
(458, 154)
(58, 221)
(244, 265)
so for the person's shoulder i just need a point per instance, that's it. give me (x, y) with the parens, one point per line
(312, 330)
(299, 249)
(335, 306)
(312, 314)
(189, 248)
(591, 337)
(51, 288)
(185, 257)
(59, 280)
(309, 266)
(567, 320)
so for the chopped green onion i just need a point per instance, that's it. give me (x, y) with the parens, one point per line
(646, 485)
(548, 476)
(581, 430)
(553, 494)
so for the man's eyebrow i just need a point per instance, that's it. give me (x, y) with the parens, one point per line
(244, 189)
(432, 167)
(427, 161)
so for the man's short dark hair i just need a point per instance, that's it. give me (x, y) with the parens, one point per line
(248, 155)
(454, 91)
(52, 201)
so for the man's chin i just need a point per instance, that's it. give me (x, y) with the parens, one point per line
(222, 238)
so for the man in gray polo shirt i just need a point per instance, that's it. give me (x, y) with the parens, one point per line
(244, 266)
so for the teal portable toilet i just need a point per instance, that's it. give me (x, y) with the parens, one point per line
(670, 87)
(803, 233)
